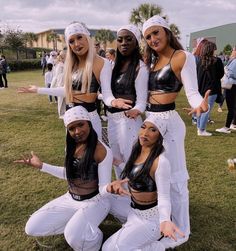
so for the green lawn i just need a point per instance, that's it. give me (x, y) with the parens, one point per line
(29, 122)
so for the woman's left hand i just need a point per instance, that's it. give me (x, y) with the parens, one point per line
(168, 229)
(132, 114)
(203, 107)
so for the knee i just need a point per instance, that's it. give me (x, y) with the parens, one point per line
(31, 229)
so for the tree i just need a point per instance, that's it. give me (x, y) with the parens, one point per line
(227, 49)
(54, 38)
(145, 11)
(30, 37)
(104, 36)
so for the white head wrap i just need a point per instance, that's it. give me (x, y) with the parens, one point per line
(155, 20)
(75, 28)
(159, 123)
(74, 114)
(132, 28)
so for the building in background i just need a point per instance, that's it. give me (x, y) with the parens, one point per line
(221, 35)
(54, 39)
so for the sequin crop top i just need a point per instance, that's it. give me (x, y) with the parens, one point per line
(141, 183)
(77, 84)
(164, 80)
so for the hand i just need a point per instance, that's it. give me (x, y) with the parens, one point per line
(168, 229)
(116, 187)
(30, 89)
(132, 114)
(203, 106)
(31, 160)
(122, 103)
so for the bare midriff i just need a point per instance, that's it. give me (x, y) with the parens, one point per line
(156, 97)
(79, 97)
(143, 198)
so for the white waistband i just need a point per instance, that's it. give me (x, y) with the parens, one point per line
(116, 115)
(162, 115)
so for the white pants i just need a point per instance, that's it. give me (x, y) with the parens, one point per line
(175, 153)
(139, 233)
(96, 122)
(78, 220)
(122, 133)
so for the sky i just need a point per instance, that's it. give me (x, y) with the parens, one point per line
(39, 15)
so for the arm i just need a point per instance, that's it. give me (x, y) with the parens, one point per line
(57, 171)
(104, 171)
(57, 91)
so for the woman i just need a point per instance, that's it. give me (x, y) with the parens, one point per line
(129, 82)
(210, 70)
(171, 69)
(147, 173)
(230, 96)
(87, 170)
(84, 72)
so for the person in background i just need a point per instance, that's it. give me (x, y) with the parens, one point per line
(147, 174)
(78, 213)
(210, 70)
(44, 62)
(4, 65)
(111, 56)
(230, 96)
(172, 68)
(99, 50)
(48, 80)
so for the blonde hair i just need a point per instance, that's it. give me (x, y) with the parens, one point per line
(71, 65)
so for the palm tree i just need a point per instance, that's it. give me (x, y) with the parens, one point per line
(30, 37)
(54, 38)
(104, 36)
(145, 11)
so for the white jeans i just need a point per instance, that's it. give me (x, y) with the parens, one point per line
(122, 133)
(139, 233)
(96, 122)
(175, 153)
(78, 220)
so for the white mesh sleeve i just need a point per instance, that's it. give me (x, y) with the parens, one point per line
(162, 177)
(57, 91)
(105, 79)
(141, 87)
(57, 171)
(104, 171)
(189, 80)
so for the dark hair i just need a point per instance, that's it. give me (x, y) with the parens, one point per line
(151, 55)
(49, 66)
(131, 71)
(3, 56)
(156, 150)
(207, 54)
(88, 157)
(112, 51)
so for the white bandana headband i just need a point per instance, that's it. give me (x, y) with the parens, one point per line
(132, 28)
(155, 20)
(75, 28)
(74, 114)
(159, 123)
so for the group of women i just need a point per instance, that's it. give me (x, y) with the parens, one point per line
(148, 157)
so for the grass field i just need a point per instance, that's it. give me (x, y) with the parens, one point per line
(28, 122)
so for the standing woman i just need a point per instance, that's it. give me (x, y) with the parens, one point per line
(147, 173)
(87, 169)
(129, 83)
(84, 72)
(171, 68)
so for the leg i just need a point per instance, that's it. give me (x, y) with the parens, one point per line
(5, 79)
(96, 122)
(82, 232)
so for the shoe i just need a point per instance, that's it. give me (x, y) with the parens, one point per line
(203, 133)
(223, 130)
(219, 109)
(194, 121)
(233, 127)
(211, 121)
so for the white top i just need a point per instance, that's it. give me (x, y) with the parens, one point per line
(189, 80)
(104, 171)
(48, 77)
(58, 75)
(162, 178)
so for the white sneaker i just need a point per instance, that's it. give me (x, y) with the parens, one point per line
(233, 127)
(203, 133)
(223, 130)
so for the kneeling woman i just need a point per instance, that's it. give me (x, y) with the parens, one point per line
(87, 170)
(148, 175)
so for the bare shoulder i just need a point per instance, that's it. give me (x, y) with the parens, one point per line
(178, 60)
(100, 152)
